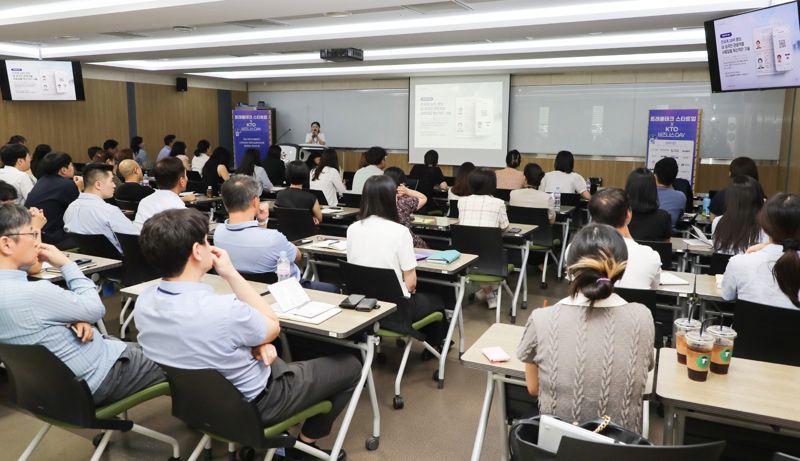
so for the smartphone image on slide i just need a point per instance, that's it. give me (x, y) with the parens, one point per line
(62, 81)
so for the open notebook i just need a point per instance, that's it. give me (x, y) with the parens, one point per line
(671, 279)
(293, 303)
(700, 238)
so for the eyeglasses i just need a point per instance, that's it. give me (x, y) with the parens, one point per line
(35, 235)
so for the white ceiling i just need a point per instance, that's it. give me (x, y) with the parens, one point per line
(143, 30)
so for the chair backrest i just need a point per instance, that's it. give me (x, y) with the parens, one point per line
(453, 212)
(320, 196)
(502, 194)
(192, 175)
(195, 186)
(766, 333)
(664, 250)
(127, 204)
(718, 264)
(543, 234)
(45, 386)
(348, 176)
(263, 277)
(295, 223)
(450, 180)
(487, 243)
(573, 449)
(372, 282)
(594, 183)
(412, 183)
(784, 457)
(135, 268)
(207, 401)
(95, 245)
(633, 295)
(570, 199)
(350, 200)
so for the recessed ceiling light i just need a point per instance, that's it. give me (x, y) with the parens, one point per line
(183, 29)
(70, 38)
(337, 14)
(595, 33)
(528, 37)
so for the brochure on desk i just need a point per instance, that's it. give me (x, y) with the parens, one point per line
(293, 303)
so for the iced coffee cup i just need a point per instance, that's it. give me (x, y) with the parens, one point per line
(698, 354)
(723, 348)
(680, 327)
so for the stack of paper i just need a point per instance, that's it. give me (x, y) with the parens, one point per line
(671, 279)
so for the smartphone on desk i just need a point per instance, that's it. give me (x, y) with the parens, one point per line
(83, 261)
(513, 230)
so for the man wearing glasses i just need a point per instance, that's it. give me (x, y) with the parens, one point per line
(61, 320)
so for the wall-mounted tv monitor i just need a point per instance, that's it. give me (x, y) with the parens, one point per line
(41, 80)
(757, 50)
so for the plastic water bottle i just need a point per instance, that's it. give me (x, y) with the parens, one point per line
(706, 204)
(557, 198)
(284, 267)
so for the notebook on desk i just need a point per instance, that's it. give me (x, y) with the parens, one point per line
(444, 257)
(333, 244)
(671, 279)
(293, 303)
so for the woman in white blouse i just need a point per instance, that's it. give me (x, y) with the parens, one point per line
(326, 177)
(249, 166)
(563, 178)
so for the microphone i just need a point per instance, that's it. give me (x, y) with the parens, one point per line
(282, 135)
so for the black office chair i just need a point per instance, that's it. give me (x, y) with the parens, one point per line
(205, 400)
(784, 457)
(412, 183)
(663, 325)
(45, 386)
(351, 200)
(570, 199)
(594, 184)
(766, 333)
(541, 239)
(573, 449)
(95, 245)
(382, 284)
(450, 180)
(135, 270)
(263, 277)
(718, 263)
(492, 264)
(295, 223)
(194, 176)
(320, 196)
(502, 194)
(664, 250)
(127, 205)
(347, 177)
(453, 212)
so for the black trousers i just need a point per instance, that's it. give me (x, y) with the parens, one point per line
(296, 386)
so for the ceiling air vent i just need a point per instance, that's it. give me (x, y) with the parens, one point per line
(257, 23)
(124, 34)
(438, 7)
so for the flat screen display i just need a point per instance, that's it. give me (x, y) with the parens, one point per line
(41, 81)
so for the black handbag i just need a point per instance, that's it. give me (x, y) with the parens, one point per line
(524, 436)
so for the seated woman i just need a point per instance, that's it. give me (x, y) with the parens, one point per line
(429, 177)
(179, 150)
(294, 196)
(563, 178)
(530, 196)
(510, 177)
(249, 166)
(379, 240)
(408, 202)
(768, 275)
(274, 165)
(327, 178)
(738, 229)
(648, 222)
(461, 184)
(589, 354)
(215, 171)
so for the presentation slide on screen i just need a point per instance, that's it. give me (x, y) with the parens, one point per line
(41, 80)
(757, 50)
(462, 118)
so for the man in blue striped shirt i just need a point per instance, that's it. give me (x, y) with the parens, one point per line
(48, 315)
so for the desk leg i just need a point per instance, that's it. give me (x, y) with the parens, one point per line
(366, 373)
(669, 425)
(484, 418)
(501, 399)
(564, 237)
(455, 319)
(680, 426)
(523, 279)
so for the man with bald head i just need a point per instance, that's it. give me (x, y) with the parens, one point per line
(132, 190)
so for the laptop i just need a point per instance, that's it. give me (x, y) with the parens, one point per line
(551, 430)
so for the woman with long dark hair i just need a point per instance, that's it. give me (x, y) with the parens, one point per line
(38, 154)
(461, 185)
(327, 178)
(429, 175)
(200, 156)
(738, 229)
(769, 275)
(408, 202)
(379, 240)
(215, 171)
(140, 155)
(250, 166)
(600, 345)
(648, 222)
(179, 150)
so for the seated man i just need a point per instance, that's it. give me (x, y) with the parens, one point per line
(669, 199)
(171, 181)
(183, 323)
(253, 248)
(45, 314)
(611, 206)
(57, 187)
(16, 165)
(132, 190)
(90, 214)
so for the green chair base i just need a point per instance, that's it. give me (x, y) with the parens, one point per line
(418, 325)
(149, 393)
(320, 408)
(483, 278)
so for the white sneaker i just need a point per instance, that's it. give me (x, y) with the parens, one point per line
(491, 300)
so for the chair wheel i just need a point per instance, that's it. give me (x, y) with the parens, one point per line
(513, 319)
(207, 454)
(372, 443)
(401, 344)
(97, 438)
(397, 402)
(435, 376)
(380, 358)
(524, 304)
(247, 454)
(543, 285)
(440, 384)
(172, 458)
(231, 456)
(426, 355)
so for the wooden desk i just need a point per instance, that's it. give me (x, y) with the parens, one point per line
(338, 330)
(98, 264)
(752, 392)
(454, 276)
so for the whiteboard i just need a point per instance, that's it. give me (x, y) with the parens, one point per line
(612, 119)
(349, 118)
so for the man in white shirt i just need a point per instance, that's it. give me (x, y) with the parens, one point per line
(164, 152)
(376, 163)
(90, 214)
(16, 161)
(611, 206)
(315, 137)
(171, 180)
